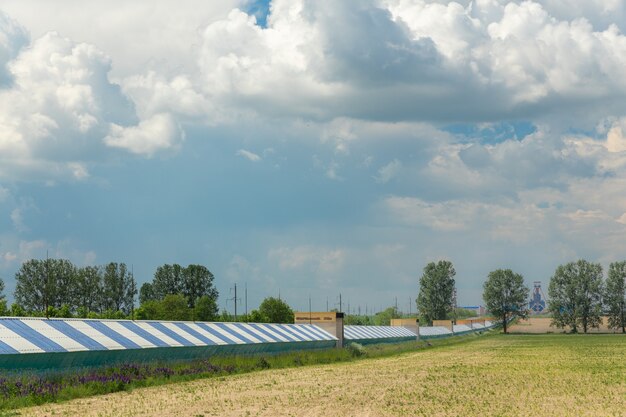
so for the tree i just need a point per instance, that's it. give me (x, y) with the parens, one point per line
(273, 310)
(615, 295)
(146, 293)
(175, 307)
(197, 281)
(384, 317)
(119, 288)
(17, 310)
(206, 309)
(62, 274)
(32, 289)
(505, 295)
(434, 301)
(130, 292)
(168, 279)
(575, 294)
(357, 320)
(172, 307)
(89, 281)
(149, 310)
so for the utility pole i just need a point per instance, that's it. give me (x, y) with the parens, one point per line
(340, 310)
(410, 306)
(132, 301)
(326, 303)
(310, 309)
(454, 304)
(246, 296)
(396, 304)
(234, 299)
(46, 286)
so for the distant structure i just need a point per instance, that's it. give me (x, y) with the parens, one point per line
(537, 303)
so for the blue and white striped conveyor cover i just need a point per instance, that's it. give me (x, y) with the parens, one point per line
(35, 335)
(352, 332)
(434, 331)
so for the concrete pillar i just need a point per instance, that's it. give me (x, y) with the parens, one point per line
(411, 324)
(330, 321)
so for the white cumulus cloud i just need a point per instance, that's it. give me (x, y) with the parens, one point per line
(158, 133)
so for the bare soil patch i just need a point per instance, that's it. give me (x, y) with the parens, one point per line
(538, 325)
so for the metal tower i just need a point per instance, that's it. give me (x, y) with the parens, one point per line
(537, 302)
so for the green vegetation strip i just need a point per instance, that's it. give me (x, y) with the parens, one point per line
(26, 389)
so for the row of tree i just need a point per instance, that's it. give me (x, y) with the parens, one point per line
(57, 288)
(52, 285)
(578, 295)
(179, 293)
(176, 307)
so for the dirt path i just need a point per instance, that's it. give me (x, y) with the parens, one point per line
(494, 376)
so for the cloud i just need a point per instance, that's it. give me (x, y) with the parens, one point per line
(388, 172)
(250, 156)
(157, 35)
(154, 93)
(57, 109)
(158, 133)
(615, 141)
(396, 60)
(18, 220)
(13, 37)
(318, 259)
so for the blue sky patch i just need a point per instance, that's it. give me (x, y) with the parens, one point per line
(260, 9)
(492, 133)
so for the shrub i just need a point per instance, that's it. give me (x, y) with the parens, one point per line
(356, 350)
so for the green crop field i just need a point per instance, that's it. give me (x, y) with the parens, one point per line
(516, 375)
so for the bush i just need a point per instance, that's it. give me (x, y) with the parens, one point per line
(262, 363)
(356, 350)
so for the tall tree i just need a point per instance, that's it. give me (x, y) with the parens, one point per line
(118, 283)
(575, 293)
(615, 295)
(89, 282)
(146, 293)
(197, 282)
(62, 274)
(130, 292)
(434, 301)
(33, 291)
(505, 295)
(168, 279)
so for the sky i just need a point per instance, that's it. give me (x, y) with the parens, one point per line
(314, 148)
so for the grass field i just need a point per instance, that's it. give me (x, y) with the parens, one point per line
(516, 375)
